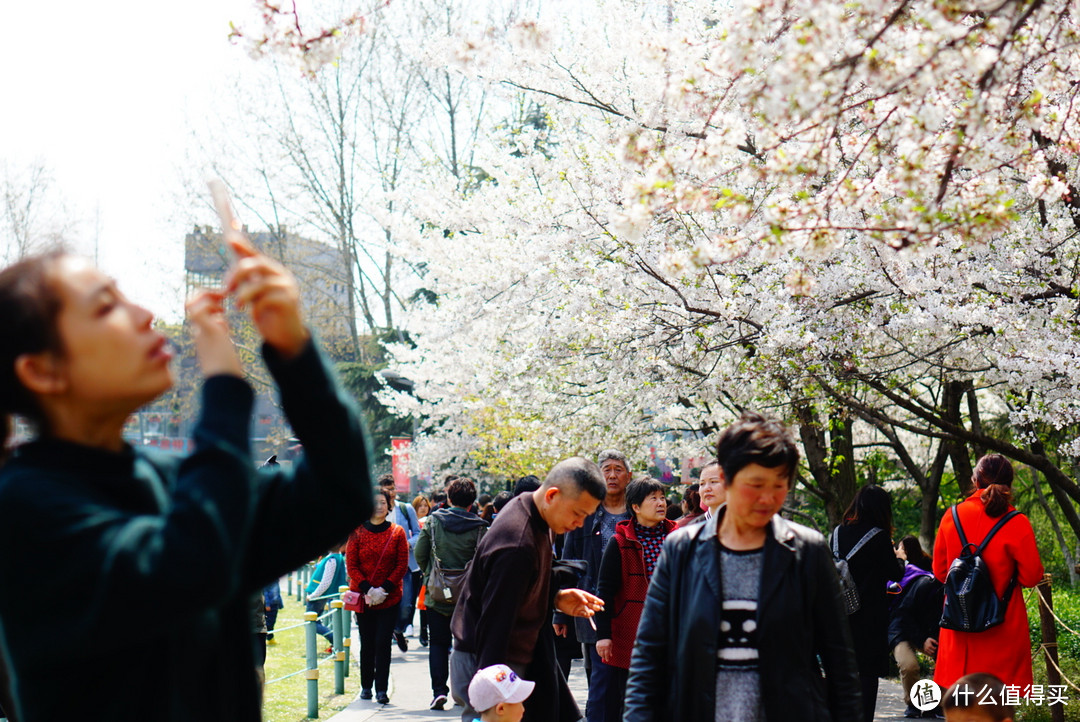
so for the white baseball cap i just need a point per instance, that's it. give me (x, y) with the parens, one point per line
(495, 684)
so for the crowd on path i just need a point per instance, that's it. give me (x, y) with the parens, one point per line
(726, 612)
(732, 613)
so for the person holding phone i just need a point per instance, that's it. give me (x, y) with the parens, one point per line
(127, 531)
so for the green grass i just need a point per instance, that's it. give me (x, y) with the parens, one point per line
(1067, 607)
(286, 701)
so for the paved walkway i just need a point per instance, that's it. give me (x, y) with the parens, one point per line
(410, 693)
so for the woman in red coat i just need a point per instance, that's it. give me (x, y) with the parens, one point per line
(1005, 649)
(377, 558)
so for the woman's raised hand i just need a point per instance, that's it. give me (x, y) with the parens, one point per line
(213, 345)
(272, 294)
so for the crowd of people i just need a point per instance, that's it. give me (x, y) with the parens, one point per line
(719, 608)
(714, 607)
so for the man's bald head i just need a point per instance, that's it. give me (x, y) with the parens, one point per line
(560, 500)
(575, 475)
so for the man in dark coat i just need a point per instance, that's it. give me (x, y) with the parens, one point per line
(505, 606)
(587, 544)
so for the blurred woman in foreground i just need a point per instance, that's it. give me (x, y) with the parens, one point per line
(154, 559)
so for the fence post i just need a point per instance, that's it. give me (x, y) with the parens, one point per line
(339, 645)
(299, 584)
(1049, 642)
(346, 637)
(288, 580)
(312, 675)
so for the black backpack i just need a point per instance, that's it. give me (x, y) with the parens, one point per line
(971, 604)
(848, 588)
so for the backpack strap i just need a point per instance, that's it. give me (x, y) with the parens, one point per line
(1001, 523)
(959, 529)
(859, 545)
(835, 544)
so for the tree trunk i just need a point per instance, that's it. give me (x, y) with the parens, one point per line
(928, 504)
(958, 451)
(817, 452)
(843, 482)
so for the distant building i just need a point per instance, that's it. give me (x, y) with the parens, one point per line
(321, 270)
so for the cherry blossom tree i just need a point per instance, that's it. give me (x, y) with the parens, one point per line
(782, 205)
(861, 217)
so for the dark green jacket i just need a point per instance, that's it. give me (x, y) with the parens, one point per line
(457, 531)
(146, 563)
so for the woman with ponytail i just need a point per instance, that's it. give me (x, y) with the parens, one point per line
(152, 561)
(1005, 649)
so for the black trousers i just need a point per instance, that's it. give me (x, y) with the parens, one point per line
(376, 628)
(440, 641)
(869, 684)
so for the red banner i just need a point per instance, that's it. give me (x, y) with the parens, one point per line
(400, 447)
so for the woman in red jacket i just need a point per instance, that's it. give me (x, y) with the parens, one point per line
(377, 558)
(625, 570)
(1005, 649)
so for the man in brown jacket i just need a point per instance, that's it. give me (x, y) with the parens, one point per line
(504, 613)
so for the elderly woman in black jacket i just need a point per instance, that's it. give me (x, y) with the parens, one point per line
(742, 608)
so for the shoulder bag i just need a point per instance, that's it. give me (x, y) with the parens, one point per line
(444, 585)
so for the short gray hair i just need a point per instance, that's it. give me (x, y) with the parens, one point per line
(613, 454)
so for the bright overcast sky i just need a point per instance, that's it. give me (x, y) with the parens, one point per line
(106, 94)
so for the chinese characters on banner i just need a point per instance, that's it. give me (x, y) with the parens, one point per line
(400, 464)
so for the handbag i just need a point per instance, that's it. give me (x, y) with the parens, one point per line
(354, 601)
(444, 585)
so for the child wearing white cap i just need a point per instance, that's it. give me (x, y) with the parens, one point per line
(499, 694)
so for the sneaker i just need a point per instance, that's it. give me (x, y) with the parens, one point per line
(382, 698)
(409, 631)
(365, 694)
(402, 643)
(271, 641)
(439, 702)
(912, 712)
(423, 641)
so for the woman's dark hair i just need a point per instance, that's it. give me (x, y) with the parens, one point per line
(461, 492)
(872, 506)
(756, 439)
(501, 499)
(692, 499)
(30, 304)
(674, 510)
(994, 475)
(526, 483)
(483, 500)
(487, 513)
(915, 555)
(638, 490)
(390, 499)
